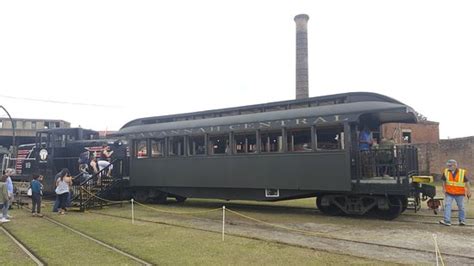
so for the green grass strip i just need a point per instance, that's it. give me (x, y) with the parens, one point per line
(11, 254)
(166, 245)
(57, 246)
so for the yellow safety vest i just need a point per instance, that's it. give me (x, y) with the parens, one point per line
(455, 184)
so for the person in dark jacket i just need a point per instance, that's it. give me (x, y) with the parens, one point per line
(36, 193)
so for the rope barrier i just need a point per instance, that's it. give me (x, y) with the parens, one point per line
(106, 200)
(224, 209)
(177, 212)
(276, 225)
(155, 209)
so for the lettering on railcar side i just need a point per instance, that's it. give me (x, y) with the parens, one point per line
(274, 124)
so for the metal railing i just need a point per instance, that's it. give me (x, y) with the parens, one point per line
(96, 184)
(398, 162)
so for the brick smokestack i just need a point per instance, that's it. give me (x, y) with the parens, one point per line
(301, 56)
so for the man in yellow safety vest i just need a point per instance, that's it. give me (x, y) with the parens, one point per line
(455, 186)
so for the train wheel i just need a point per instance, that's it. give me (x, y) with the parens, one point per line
(180, 199)
(395, 207)
(329, 210)
(161, 198)
(141, 197)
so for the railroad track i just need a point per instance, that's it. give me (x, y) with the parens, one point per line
(468, 258)
(114, 249)
(296, 209)
(23, 247)
(39, 261)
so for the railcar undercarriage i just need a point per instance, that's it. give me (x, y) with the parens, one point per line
(384, 207)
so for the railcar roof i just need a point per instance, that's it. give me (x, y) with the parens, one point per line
(383, 111)
(334, 99)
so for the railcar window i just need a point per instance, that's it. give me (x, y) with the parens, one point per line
(271, 141)
(245, 143)
(44, 139)
(196, 145)
(299, 140)
(141, 150)
(330, 138)
(157, 147)
(218, 144)
(176, 146)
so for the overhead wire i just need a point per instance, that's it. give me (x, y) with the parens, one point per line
(59, 102)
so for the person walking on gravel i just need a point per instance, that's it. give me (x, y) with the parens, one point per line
(455, 187)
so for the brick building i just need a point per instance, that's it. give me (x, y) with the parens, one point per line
(25, 129)
(423, 132)
(432, 152)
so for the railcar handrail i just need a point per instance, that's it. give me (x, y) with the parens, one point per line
(105, 169)
(397, 162)
(93, 185)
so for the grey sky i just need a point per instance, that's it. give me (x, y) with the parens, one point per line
(129, 59)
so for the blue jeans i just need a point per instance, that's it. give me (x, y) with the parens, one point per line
(68, 203)
(6, 205)
(448, 199)
(56, 204)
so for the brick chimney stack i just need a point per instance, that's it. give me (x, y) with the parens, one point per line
(301, 56)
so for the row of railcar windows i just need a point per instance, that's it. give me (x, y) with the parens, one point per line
(297, 140)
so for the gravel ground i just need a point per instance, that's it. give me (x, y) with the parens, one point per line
(345, 235)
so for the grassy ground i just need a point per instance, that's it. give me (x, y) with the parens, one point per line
(164, 244)
(157, 243)
(11, 254)
(56, 245)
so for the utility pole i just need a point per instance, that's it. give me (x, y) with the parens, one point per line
(13, 131)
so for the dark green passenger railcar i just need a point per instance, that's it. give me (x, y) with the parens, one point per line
(276, 151)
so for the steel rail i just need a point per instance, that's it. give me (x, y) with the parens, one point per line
(290, 244)
(98, 241)
(23, 247)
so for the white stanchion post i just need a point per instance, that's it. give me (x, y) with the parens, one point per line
(133, 214)
(223, 222)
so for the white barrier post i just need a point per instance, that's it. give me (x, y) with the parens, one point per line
(223, 222)
(133, 214)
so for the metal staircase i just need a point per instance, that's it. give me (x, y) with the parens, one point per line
(98, 190)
